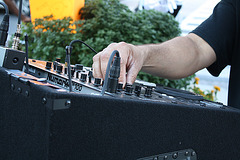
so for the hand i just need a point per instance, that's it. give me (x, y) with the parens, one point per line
(132, 59)
(26, 19)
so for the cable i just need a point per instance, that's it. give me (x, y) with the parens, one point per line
(111, 82)
(17, 34)
(4, 25)
(20, 12)
(115, 72)
(68, 53)
(74, 41)
(26, 46)
(68, 61)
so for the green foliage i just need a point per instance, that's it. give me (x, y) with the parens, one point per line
(103, 22)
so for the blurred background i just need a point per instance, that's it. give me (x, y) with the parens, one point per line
(191, 14)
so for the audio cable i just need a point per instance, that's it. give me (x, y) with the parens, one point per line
(112, 74)
(17, 35)
(68, 61)
(111, 80)
(26, 49)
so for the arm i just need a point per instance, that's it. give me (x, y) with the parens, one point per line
(176, 58)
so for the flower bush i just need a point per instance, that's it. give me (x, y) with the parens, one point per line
(208, 94)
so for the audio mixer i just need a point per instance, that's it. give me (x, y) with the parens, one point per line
(83, 82)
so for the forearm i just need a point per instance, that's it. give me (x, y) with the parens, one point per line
(177, 58)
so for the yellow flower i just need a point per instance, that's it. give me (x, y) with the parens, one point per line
(212, 91)
(217, 88)
(197, 80)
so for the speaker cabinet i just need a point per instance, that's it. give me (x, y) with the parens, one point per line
(41, 122)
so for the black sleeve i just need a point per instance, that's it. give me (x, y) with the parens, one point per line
(219, 32)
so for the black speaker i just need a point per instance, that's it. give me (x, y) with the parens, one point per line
(39, 121)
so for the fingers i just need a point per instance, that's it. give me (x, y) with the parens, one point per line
(130, 63)
(132, 73)
(97, 67)
(122, 78)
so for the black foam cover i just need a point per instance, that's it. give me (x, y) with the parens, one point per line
(38, 126)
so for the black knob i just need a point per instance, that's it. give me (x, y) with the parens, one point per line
(90, 75)
(148, 92)
(58, 59)
(79, 67)
(97, 82)
(72, 72)
(128, 89)
(48, 65)
(65, 70)
(55, 64)
(120, 87)
(84, 77)
(137, 90)
(59, 68)
(77, 74)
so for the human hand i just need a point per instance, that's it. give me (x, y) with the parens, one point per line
(132, 59)
(26, 19)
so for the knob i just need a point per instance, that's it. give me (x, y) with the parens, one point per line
(137, 90)
(148, 92)
(59, 69)
(97, 82)
(72, 72)
(90, 75)
(120, 87)
(58, 59)
(128, 89)
(48, 65)
(77, 74)
(84, 77)
(55, 64)
(79, 67)
(65, 70)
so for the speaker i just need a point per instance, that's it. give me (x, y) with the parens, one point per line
(39, 121)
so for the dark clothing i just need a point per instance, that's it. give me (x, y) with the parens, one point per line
(222, 32)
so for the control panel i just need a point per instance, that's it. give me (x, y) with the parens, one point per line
(83, 82)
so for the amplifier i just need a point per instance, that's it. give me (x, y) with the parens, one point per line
(40, 119)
